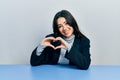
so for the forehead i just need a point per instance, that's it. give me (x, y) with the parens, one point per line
(61, 20)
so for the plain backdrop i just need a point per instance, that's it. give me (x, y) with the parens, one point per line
(24, 23)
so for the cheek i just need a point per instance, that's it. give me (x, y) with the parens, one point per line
(70, 28)
(60, 30)
(72, 31)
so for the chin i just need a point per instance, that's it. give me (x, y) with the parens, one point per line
(67, 36)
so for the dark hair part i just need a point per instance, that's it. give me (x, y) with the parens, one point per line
(70, 21)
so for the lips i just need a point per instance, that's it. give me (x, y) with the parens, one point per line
(66, 32)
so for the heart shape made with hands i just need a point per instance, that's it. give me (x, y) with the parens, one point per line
(55, 43)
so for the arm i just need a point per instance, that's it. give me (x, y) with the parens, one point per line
(36, 59)
(79, 53)
(40, 54)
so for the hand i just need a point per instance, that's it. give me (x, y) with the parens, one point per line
(63, 43)
(47, 42)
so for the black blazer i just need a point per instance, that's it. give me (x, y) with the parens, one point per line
(79, 54)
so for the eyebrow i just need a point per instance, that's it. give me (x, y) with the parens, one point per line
(63, 22)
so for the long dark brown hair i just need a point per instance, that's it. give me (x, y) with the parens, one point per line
(70, 21)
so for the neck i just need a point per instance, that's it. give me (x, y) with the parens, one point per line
(70, 39)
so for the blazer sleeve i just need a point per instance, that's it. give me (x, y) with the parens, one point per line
(43, 58)
(79, 54)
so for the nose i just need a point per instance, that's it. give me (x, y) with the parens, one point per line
(64, 27)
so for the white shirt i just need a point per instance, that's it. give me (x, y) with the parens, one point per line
(62, 59)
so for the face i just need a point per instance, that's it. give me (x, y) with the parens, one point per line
(64, 28)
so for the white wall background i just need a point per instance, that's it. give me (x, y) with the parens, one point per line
(23, 23)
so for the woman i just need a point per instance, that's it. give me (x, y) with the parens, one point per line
(67, 45)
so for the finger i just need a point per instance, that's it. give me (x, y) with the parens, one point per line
(52, 46)
(58, 38)
(58, 47)
(47, 39)
(50, 38)
(62, 40)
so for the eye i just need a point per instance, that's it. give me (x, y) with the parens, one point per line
(59, 26)
(65, 23)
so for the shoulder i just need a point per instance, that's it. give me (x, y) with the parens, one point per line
(83, 40)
